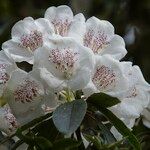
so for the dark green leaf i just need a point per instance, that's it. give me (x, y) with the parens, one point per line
(103, 100)
(121, 127)
(30, 147)
(95, 140)
(27, 139)
(108, 136)
(43, 143)
(47, 127)
(68, 117)
(115, 144)
(66, 144)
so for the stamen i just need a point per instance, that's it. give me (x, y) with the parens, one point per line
(61, 26)
(10, 119)
(96, 42)
(104, 77)
(27, 91)
(4, 77)
(32, 41)
(132, 93)
(64, 60)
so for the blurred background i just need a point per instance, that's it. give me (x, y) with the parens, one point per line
(131, 19)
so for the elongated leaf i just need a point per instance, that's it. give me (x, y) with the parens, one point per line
(43, 143)
(103, 100)
(108, 136)
(95, 140)
(121, 127)
(68, 117)
(47, 127)
(65, 144)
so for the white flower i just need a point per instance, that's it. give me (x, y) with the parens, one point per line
(146, 116)
(64, 23)
(8, 123)
(67, 64)
(6, 67)
(100, 37)
(135, 98)
(27, 36)
(25, 96)
(108, 77)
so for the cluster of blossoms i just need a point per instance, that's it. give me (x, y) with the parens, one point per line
(68, 53)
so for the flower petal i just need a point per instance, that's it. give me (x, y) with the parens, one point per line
(77, 28)
(98, 34)
(64, 59)
(16, 52)
(8, 122)
(22, 27)
(116, 48)
(6, 67)
(61, 17)
(24, 95)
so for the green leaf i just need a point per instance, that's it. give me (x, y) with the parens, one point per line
(103, 100)
(121, 127)
(66, 144)
(68, 117)
(115, 144)
(47, 127)
(43, 143)
(108, 136)
(95, 140)
(30, 147)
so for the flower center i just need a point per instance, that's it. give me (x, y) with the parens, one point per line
(10, 119)
(96, 42)
(3, 66)
(104, 77)
(61, 27)
(64, 61)
(4, 77)
(132, 93)
(27, 91)
(32, 41)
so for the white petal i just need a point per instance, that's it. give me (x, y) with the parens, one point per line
(109, 76)
(146, 118)
(44, 26)
(27, 36)
(6, 67)
(116, 48)
(61, 18)
(50, 102)
(100, 25)
(19, 54)
(90, 89)
(22, 27)
(60, 12)
(138, 78)
(25, 105)
(98, 34)
(80, 80)
(82, 58)
(50, 82)
(101, 39)
(8, 122)
(77, 28)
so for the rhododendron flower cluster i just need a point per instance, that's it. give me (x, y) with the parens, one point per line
(67, 53)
